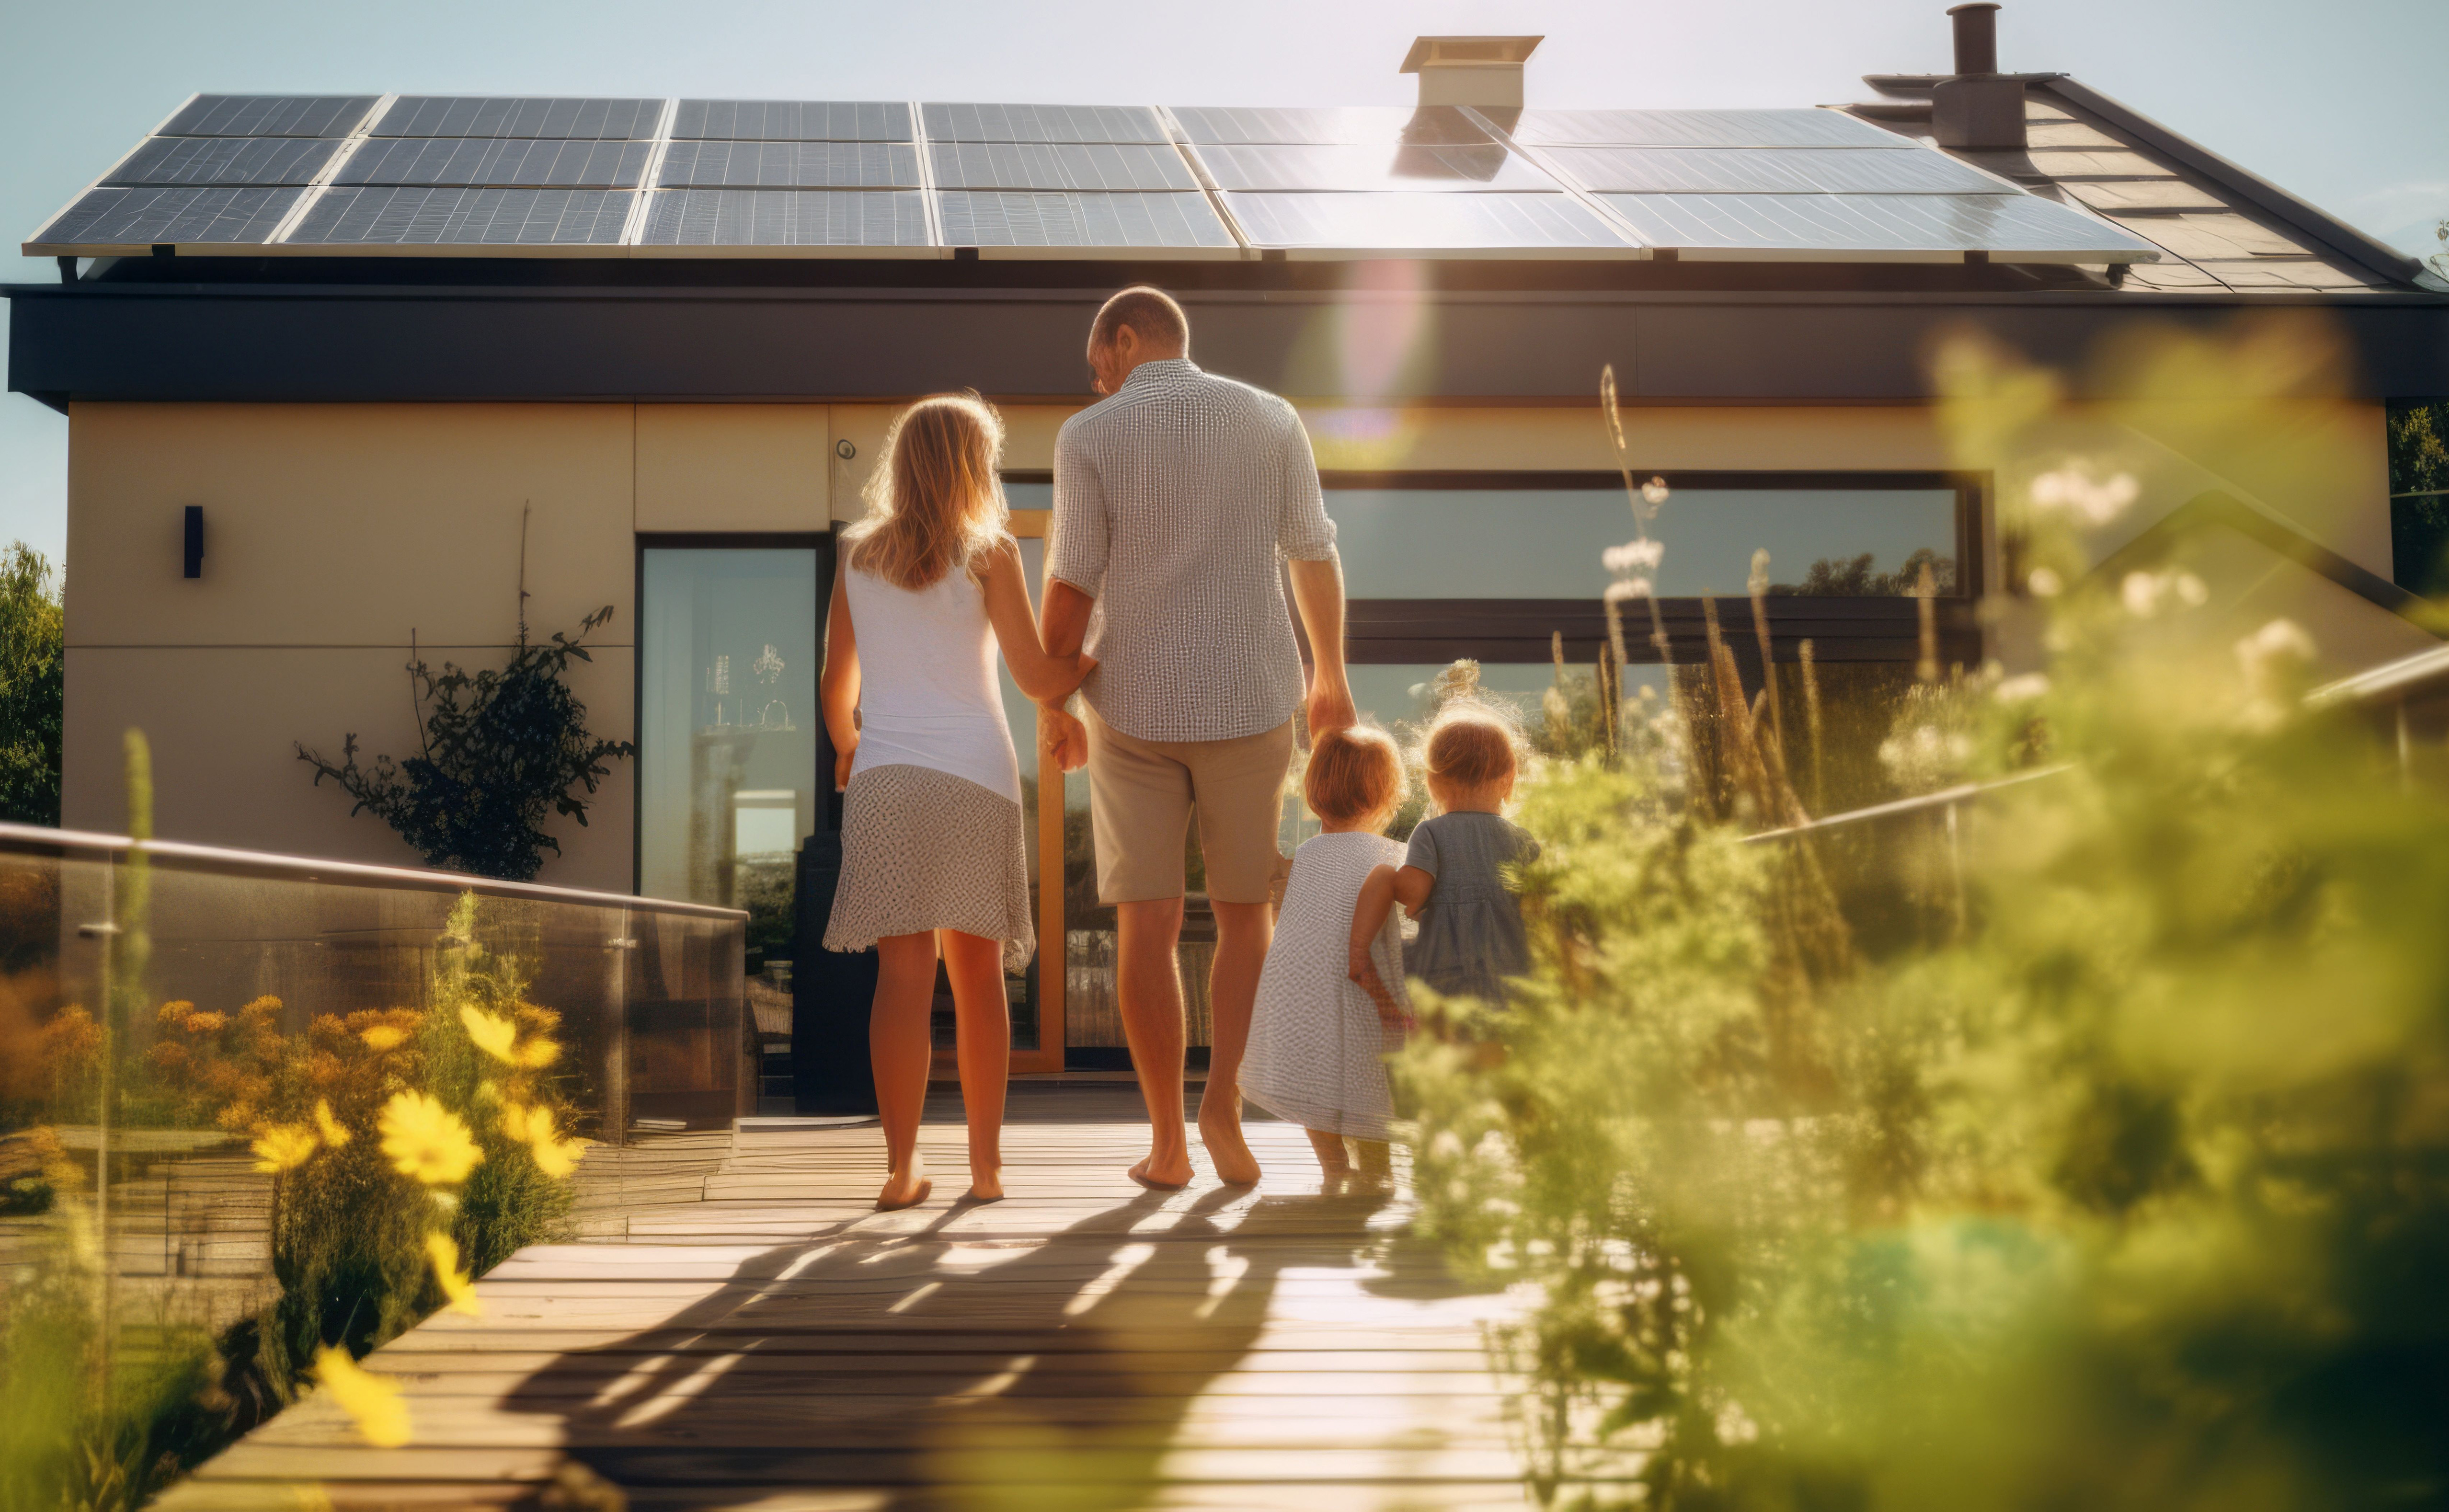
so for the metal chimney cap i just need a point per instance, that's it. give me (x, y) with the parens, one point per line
(1431, 51)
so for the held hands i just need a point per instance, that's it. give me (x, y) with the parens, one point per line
(1364, 972)
(1062, 738)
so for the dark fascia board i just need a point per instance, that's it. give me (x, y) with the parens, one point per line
(2186, 152)
(314, 344)
(2213, 508)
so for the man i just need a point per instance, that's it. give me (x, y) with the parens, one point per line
(1175, 501)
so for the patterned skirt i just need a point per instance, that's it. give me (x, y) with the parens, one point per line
(924, 850)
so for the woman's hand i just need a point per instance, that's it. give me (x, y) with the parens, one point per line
(842, 756)
(1062, 737)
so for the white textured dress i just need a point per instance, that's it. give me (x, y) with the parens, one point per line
(1317, 1049)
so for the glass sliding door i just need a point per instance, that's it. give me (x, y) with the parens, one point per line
(731, 744)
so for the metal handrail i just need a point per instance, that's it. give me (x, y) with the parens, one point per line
(308, 868)
(1944, 798)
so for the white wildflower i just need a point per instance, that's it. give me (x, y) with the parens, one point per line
(2022, 689)
(1655, 492)
(1634, 555)
(2089, 502)
(2189, 589)
(2141, 592)
(2044, 583)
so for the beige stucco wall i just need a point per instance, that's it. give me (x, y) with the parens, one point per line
(333, 532)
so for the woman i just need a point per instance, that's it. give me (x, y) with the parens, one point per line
(929, 586)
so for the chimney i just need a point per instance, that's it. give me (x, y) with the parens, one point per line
(1484, 72)
(1979, 109)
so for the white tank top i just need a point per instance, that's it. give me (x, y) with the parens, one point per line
(928, 694)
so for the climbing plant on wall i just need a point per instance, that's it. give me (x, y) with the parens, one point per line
(502, 749)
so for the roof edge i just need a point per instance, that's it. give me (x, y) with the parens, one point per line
(2250, 186)
(2217, 506)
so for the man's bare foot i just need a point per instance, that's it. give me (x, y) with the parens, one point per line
(906, 1189)
(1161, 1179)
(986, 1186)
(1219, 1130)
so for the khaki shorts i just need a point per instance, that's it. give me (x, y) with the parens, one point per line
(1141, 793)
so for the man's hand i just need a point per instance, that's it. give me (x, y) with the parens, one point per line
(1330, 706)
(1062, 737)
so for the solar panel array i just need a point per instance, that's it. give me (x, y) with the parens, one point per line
(480, 175)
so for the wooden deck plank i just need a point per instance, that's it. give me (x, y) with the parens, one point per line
(746, 1331)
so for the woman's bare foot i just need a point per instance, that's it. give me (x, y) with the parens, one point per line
(1227, 1150)
(1158, 1178)
(986, 1186)
(903, 1190)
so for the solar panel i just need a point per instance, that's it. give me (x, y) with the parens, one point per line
(1518, 223)
(1353, 126)
(424, 217)
(497, 163)
(1295, 169)
(1702, 128)
(224, 160)
(1523, 225)
(1758, 171)
(793, 120)
(270, 115)
(790, 166)
(455, 115)
(1016, 218)
(2012, 227)
(149, 216)
(1058, 166)
(785, 218)
(1042, 123)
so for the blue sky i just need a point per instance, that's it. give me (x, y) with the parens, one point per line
(2339, 101)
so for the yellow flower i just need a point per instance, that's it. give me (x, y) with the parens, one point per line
(457, 1285)
(335, 1133)
(283, 1147)
(426, 1140)
(534, 1128)
(372, 1400)
(492, 1035)
(539, 1053)
(205, 1023)
(558, 1157)
(380, 1038)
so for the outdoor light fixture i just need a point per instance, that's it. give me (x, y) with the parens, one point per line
(195, 543)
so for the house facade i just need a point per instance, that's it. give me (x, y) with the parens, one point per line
(435, 368)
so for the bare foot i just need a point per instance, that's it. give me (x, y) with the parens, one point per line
(1161, 1179)
(1227, 1150)
(986, 1186)
(904, 1191)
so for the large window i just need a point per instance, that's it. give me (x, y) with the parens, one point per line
(729, 734)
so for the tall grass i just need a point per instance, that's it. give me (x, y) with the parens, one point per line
(2128, 1187)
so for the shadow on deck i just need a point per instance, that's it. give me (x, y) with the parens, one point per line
(767, 1340)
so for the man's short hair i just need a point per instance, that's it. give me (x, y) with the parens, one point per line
(1150, 311)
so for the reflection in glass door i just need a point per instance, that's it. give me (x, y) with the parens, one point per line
(730, 739)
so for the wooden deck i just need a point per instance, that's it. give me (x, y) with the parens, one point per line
(748, 1333)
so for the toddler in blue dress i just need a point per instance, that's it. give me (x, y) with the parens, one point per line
(1453, 875)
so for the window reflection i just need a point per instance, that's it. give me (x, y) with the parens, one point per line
(1545, 542)
(728, 735)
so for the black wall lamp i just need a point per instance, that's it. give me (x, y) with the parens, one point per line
(195, 540)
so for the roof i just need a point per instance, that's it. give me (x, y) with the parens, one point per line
(481, 176)
(2218, 226)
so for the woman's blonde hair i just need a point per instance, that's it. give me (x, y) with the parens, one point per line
(935, 501)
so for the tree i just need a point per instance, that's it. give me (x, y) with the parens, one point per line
(31, 656)
(2419, 494)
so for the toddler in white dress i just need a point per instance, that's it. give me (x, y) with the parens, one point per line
(1319, 1041)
